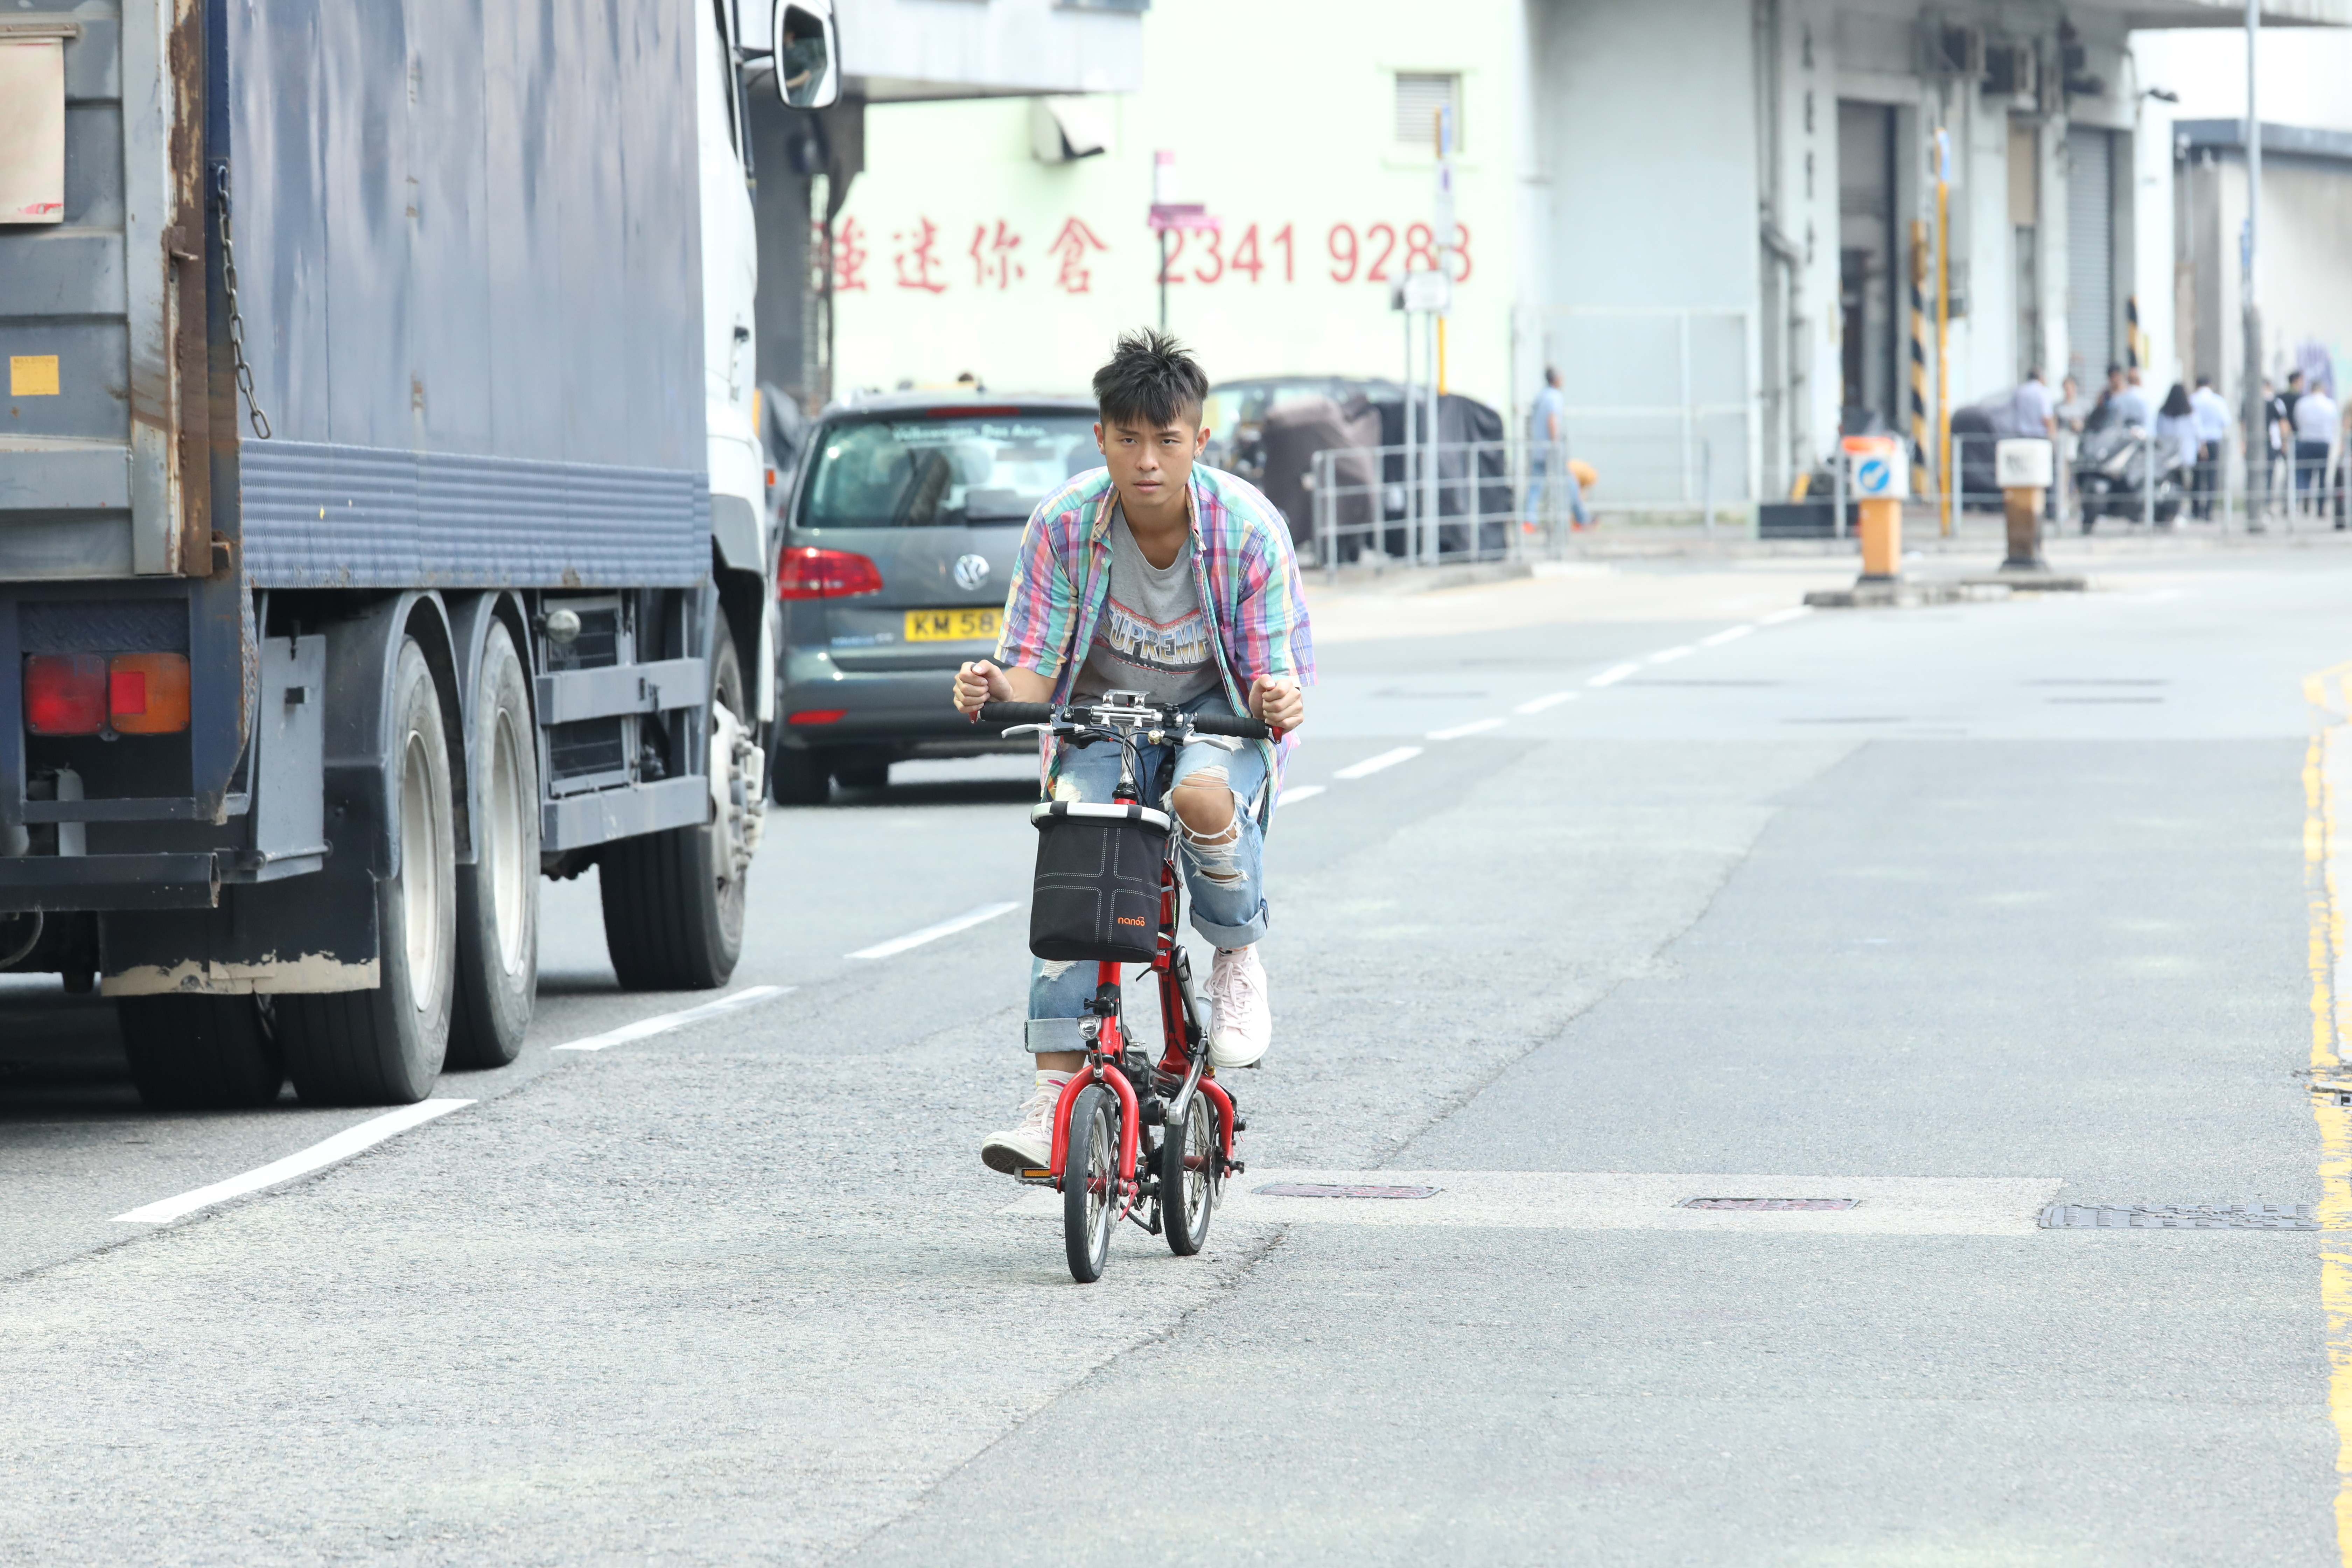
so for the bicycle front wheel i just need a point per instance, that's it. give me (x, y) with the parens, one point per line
(1187, 1164)
(1090, 1183)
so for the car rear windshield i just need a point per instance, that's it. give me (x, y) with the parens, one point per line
(953, 465)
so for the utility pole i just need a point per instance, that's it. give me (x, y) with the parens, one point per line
(2257, 406)
(1168, 213)
(1163, 195)
(1944, 329)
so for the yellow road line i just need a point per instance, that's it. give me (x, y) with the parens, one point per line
(2326, 779)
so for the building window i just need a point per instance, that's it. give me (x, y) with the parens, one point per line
(1419, 96)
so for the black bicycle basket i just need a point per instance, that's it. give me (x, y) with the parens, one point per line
(1098, 896)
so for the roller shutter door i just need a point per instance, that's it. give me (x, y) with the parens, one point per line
(2090, 254)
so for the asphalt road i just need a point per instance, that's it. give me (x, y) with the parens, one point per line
(1953, 911)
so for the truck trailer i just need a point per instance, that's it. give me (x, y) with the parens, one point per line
(381, 515)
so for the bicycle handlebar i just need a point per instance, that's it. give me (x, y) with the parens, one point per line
(1016, 712)
(1044, 713)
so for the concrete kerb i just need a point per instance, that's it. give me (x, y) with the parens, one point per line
(1403, 579)
(1641, 544)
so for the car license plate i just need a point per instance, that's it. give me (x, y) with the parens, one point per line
(952, 626)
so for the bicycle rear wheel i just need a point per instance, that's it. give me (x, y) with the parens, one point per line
(1187, 1165)
(1090, 1183)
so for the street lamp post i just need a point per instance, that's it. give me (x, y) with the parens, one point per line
(1168, 213)
(1943, 333)
(2257, 407)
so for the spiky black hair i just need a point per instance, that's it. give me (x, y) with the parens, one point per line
(1152, 380)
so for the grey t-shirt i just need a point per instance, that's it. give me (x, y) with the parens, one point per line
(1152, 637)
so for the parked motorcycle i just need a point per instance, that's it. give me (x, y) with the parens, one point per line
(2111, 476)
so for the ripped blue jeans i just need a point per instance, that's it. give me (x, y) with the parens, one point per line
(1223, 874)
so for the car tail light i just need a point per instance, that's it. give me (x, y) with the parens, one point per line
(147, 693)
(809, 573)
(64, 693)
(819, 716)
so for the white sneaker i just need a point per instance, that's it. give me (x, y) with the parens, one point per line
(1029, 1145)
(1241, 1023)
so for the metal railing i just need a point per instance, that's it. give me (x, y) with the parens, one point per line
(1662, 399)
(1427, 504)
(1420, 505)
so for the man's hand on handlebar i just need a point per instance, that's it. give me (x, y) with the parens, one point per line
(978, 681)
(1275, 700)
(981, 681)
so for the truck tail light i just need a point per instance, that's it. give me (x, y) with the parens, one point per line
(64, 693)
(147, 693)
(84, 693)
(819, 716)
(809, 573)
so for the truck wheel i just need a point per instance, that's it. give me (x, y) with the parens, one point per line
(199, 1053)
(799, 778)
(385, 1047)
(674, 901)
(497, 895)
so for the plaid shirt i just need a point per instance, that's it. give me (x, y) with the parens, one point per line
(1242, 567)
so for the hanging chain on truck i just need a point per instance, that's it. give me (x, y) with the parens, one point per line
(235, 319)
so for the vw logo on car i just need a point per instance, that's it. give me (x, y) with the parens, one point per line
(971, 572)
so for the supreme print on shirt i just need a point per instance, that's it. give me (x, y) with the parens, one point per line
(1152, 636)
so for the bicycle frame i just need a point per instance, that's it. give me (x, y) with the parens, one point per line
(1107, 1048)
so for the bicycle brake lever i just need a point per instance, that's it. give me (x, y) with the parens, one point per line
(1026, 730)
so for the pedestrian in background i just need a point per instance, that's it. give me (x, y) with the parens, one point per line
(2028, 409)
(2071, 408)
(2212, 414)
(2132, 401)
(2175, 435)
(1547, 455)
(2109, 408)
(2314, 417)
(2074, 409)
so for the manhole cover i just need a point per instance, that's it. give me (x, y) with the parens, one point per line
(2178, 1217)
(1329, 1190)
(1780, 1204)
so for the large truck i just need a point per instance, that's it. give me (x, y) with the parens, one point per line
(381, 515)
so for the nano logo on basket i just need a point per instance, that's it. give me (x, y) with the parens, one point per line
(1129, 920)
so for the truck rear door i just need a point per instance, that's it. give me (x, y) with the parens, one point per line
(103, 294)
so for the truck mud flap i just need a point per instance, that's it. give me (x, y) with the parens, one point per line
(296, 936)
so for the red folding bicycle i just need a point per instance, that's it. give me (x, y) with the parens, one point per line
(1133, 1138)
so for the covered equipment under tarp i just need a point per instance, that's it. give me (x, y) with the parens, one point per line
(1292, 434)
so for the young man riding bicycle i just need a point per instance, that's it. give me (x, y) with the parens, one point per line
(1159, 576)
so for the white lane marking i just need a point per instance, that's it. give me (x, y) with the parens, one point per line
(1612, 676)
(1303, 792)
(1672, 654)
(1887, 1206)
(1472, 728)
(341, 1146)
(1541, 703)
(1371, 766)
(663, 1023)
(964, 921)
(1728, 634)
(1782, 617)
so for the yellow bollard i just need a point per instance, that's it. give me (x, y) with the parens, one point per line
(1882, 540)
(1881, 479)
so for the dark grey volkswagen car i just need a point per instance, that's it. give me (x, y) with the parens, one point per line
(901, 533)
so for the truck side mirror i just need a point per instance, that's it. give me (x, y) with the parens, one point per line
(808, 54)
